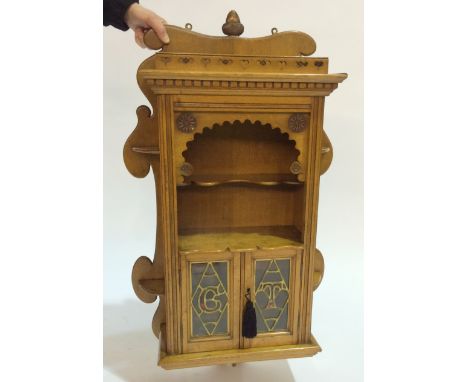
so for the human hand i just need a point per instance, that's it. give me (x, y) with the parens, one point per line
(139, 19)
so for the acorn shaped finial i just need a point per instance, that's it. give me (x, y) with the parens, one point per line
(233, 26)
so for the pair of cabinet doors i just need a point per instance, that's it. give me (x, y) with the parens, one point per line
(214, 288)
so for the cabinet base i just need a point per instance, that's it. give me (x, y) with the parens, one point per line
(233, 356)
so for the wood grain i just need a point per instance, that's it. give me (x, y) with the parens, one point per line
(187, 41)
(234, 138)
(239, 355)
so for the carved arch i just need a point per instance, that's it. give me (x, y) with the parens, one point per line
(264, 132)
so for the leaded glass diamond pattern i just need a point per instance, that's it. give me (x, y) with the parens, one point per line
(272, 294)
(209, 298)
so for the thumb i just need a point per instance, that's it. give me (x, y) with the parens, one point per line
(156, 23)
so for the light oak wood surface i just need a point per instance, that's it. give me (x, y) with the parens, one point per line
(234, 138)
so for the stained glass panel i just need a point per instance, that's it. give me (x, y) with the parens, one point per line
(209, 294)
(272, 294)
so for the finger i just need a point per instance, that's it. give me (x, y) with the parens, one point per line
(156, 23)
(139, 34)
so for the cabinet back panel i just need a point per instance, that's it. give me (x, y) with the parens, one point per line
(232, 206)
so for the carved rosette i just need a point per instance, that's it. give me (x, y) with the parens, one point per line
(186, 169)
(186, 122)
(296, 167)
(297, 122)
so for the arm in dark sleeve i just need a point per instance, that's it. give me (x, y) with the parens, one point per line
(114, 12)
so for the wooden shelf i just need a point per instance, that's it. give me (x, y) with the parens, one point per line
(239, 239)
(152, 150)
(152, 286)
(258, 179)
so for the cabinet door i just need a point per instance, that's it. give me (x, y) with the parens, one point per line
(210, 301)
(273, 279)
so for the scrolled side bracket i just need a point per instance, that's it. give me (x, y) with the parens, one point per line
(327, 154)
(142, 143)
(147, 280)
(319, 268)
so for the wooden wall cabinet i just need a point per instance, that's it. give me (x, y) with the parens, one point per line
(236, 144)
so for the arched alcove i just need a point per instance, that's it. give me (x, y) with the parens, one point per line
(241, 177)
(241, 151)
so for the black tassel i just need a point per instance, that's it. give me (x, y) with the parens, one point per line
(249, 320)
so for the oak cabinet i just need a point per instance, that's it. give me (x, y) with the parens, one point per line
(236, 144)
